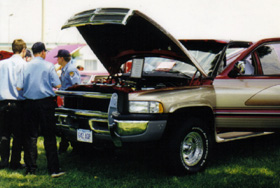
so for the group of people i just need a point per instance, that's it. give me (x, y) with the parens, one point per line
(27, 105)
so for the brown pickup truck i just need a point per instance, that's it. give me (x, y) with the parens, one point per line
(182, 95)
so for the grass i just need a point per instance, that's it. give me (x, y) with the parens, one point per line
(246, 163)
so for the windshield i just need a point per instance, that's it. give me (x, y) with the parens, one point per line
(208, 60)
(159, 64)
(205, 59)
(85, 79)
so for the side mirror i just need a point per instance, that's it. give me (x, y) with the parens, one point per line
(238, 69)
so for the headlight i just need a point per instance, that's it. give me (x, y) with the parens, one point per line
(145, 107)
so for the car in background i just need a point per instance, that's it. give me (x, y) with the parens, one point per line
(182, 96)
(89, 77)
(5, 54)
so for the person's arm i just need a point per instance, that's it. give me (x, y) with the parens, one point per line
(55, 81)
(58, 86)
(19, 82)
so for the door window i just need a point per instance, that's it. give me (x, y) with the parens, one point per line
(269, 58)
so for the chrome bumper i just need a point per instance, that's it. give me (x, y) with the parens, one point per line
(104, 124)
(66, 117)
(119, 130)
(139, 131)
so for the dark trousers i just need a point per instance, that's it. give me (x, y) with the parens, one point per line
(11, 124)
(63, 145)
(40, 113)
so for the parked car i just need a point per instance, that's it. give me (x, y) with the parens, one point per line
(181, 95)
(5, 54)
(89, 77)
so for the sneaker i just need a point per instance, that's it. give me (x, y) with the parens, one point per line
(57, 174)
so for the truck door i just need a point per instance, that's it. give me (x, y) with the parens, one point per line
(251, 100)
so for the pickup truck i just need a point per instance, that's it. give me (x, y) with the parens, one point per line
(181, 95)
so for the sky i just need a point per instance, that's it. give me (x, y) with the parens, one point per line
(185, 19)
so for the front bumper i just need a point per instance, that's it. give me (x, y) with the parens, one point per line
(128, 128)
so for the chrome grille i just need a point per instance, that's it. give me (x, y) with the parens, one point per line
(90, 109)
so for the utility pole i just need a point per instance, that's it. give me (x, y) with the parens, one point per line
(9, 25)
(43, 21)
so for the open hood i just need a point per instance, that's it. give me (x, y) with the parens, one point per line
(116, 33)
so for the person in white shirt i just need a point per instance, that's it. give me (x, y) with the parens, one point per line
(11, 104)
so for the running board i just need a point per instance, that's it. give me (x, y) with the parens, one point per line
(231, 136)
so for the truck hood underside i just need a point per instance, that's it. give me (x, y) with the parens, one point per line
(114, 34)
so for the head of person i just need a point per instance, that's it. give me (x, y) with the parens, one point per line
(39, 50)
(28, 56)
(19, 47)
(80, 67)
(63, 57)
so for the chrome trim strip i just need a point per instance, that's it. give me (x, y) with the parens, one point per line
(220, 140)
(99, 120)
(98, 95)
(90, 121)
(246, 112)
(112, 126)
(84, 94)
(128, 14)
(88, 113)
(61, 115)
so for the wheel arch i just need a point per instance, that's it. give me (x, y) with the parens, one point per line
(204, 113)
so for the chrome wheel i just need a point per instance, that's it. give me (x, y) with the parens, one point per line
(192, 149)
(189, 147)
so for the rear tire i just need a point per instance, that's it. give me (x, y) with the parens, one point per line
(188, 147)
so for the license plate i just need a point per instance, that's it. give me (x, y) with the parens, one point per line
(84, 135)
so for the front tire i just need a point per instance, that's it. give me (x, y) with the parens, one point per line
(189, 146)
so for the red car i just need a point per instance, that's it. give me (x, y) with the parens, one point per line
(5, 54)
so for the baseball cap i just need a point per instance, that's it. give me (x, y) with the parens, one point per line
(63, 53)
(38, 47)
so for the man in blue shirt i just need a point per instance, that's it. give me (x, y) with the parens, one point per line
(11, 102)
(69, 76)
(69, 73)
(37, 81)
